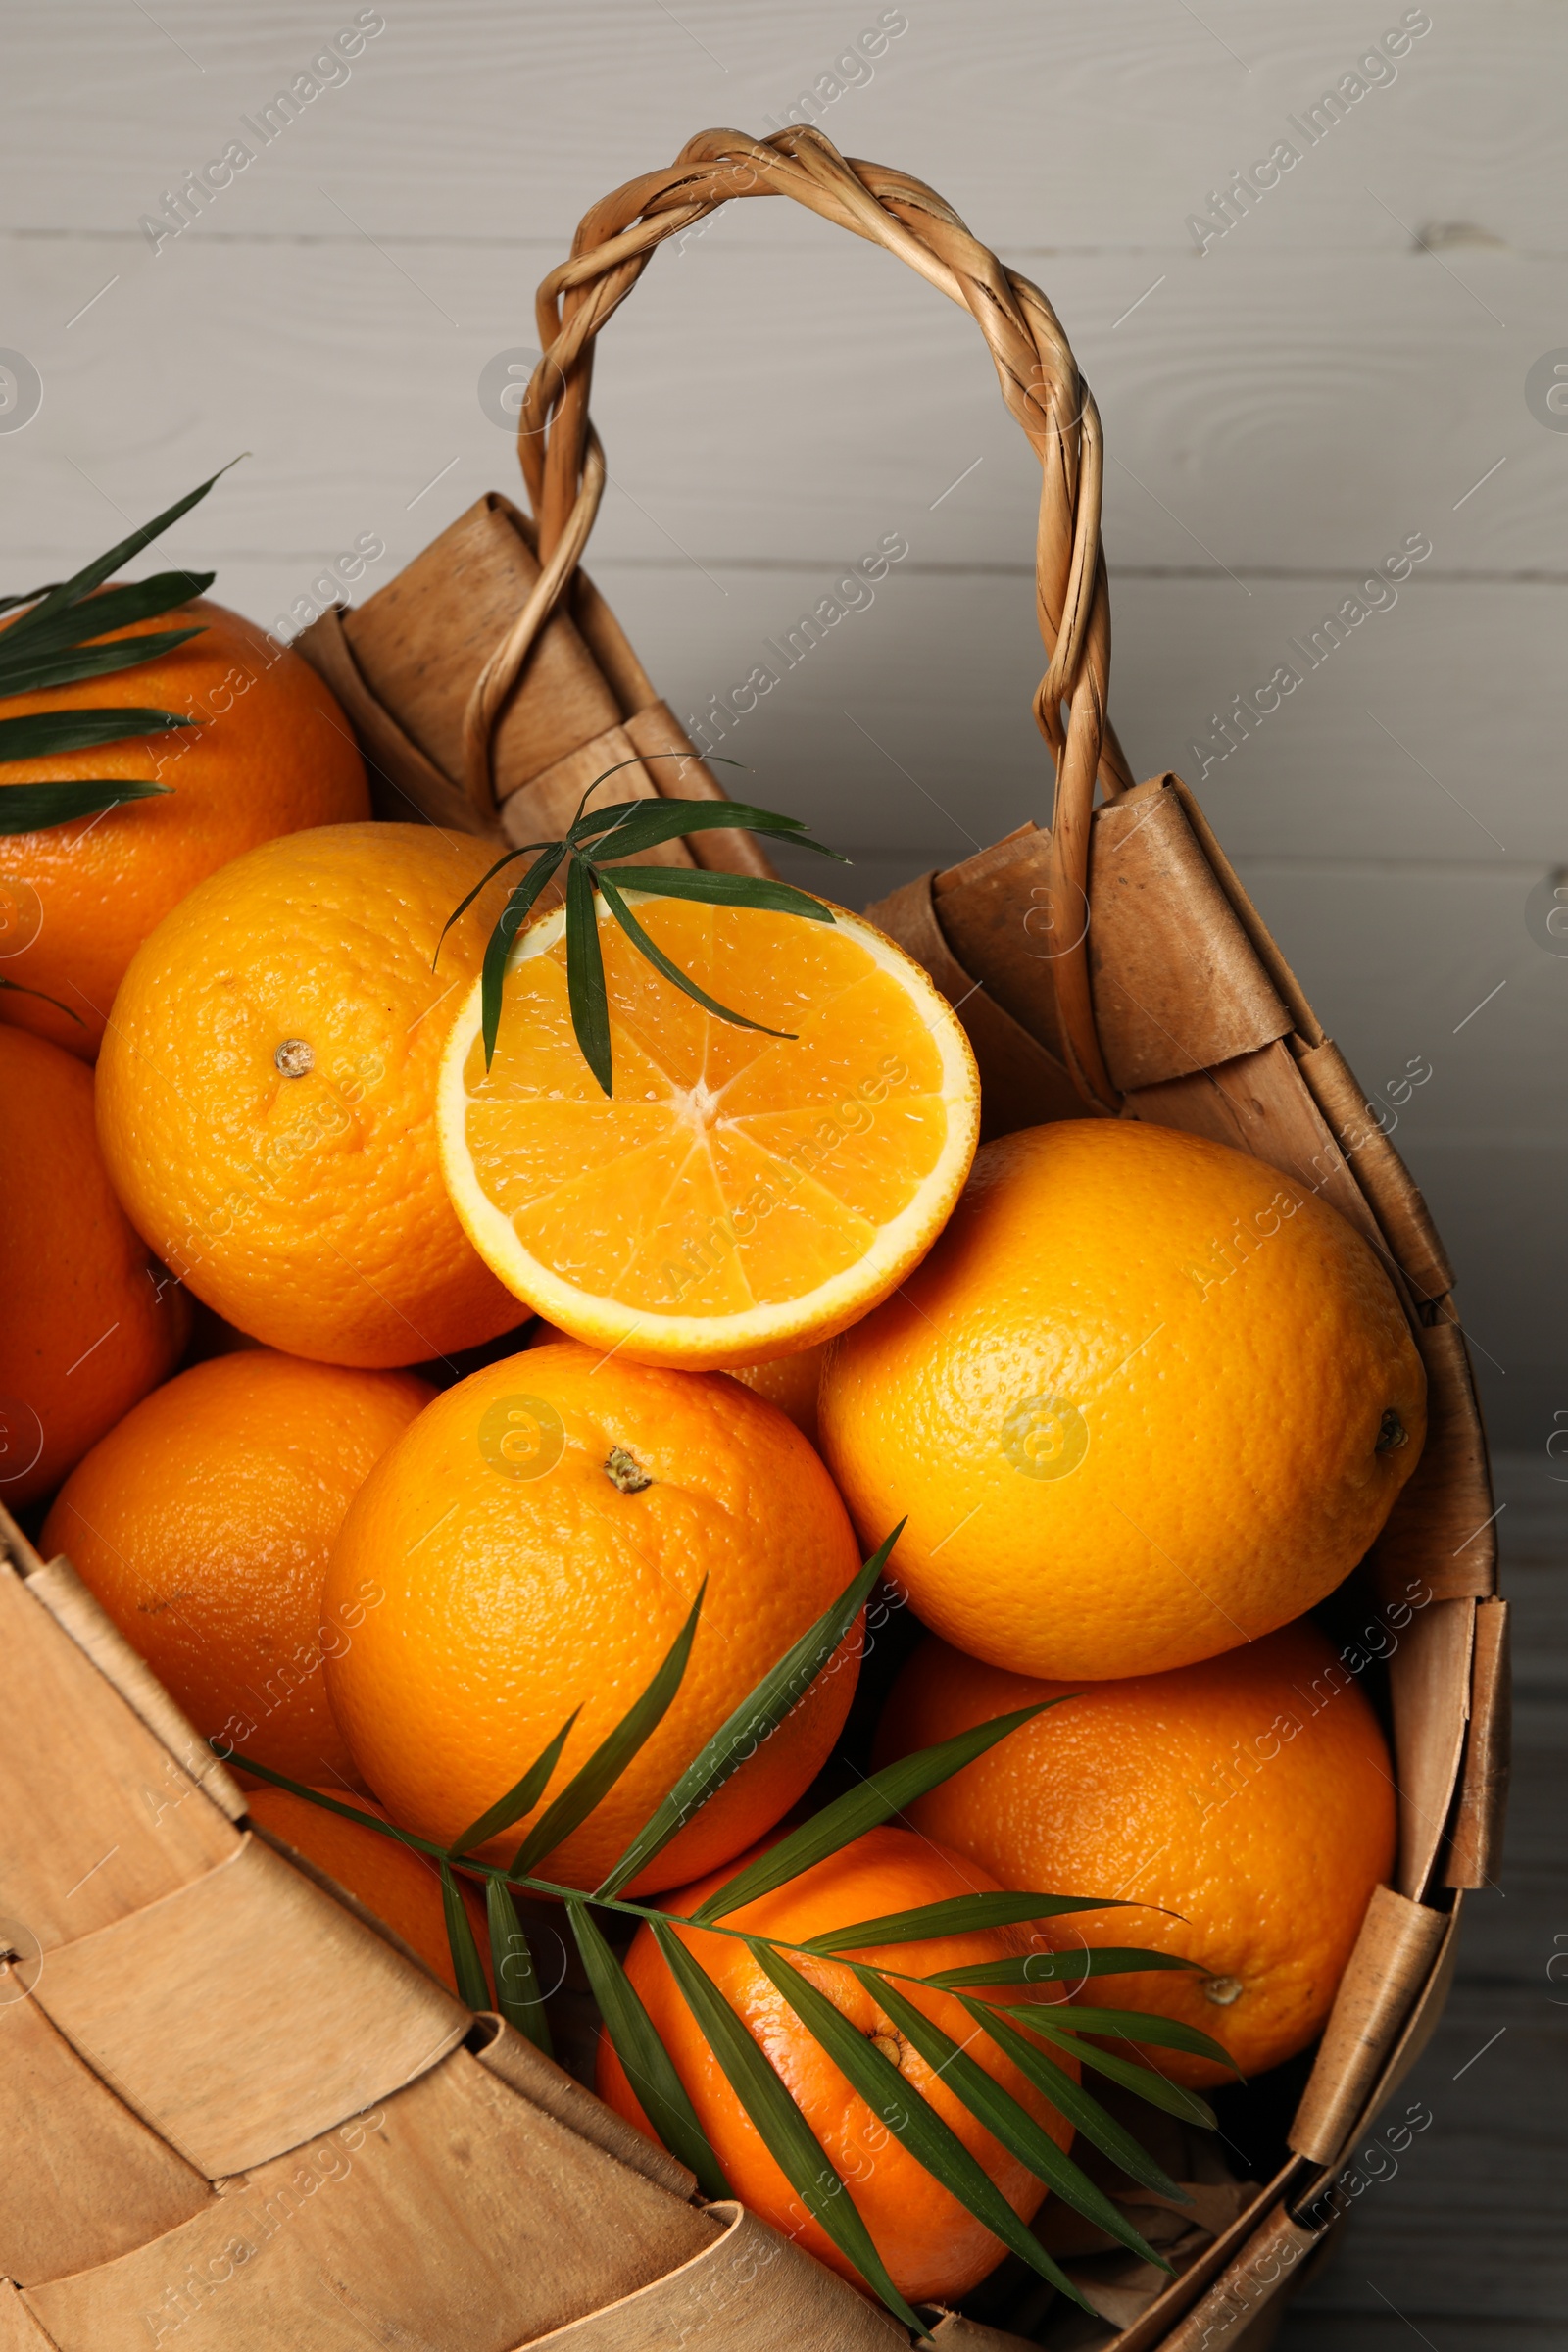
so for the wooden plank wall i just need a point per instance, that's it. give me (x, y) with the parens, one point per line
(1340, 375)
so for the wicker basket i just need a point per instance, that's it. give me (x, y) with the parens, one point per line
(247, 2119)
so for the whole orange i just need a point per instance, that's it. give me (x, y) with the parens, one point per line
(273, 752)
(1145, 1399)
(1252, 1794)
(541, 1533)
(398, 1883)
(88, 1323)
(203, 1522)
(267, 1094)
(931, 2244)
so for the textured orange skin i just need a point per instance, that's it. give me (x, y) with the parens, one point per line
(1189, 1791)
(307, 1211)
(512, 1600)
(932, 2245)
(274, 754)
(791, 1382)
(87, 1323)
(1222, 1473)
(203, 1522)
(400, 1884)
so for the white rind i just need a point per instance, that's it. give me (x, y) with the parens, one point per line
(758, 1332)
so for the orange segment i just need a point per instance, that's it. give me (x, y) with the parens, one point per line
(741, 1196)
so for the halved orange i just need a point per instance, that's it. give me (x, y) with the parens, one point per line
(739, 1196)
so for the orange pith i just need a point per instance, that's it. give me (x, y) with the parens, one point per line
(1250, 1796)
(931, 2244)
(740, 1196)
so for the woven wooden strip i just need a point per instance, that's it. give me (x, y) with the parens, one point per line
(455, 2213)
(99, 1817)
(749, 2292)
(246, 2012)
(1476, 1848)
(1391, 1963)
(87, 2179)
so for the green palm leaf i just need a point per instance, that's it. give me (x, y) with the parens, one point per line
(520, 1799)
(115, 608)
(1155, 2088)
(585, 975)
(660, 2093)
(850, 1816)
(672, 971)
(783, 2130)
(43, 733)
(493, 972)
(467, 1965)
(92, 576)
(910, 2116)
(1069, 2098)
(29, 675)
(717, 890)
(1002, 2116)
(1058, 1968)
(630, 827)
(517, 1994)
(780, 1689)
(956, 1915)
(611, 1756)
(33, 808)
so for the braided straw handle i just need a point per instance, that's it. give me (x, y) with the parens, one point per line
(563, 464)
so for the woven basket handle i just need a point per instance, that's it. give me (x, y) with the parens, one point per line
(563, 463)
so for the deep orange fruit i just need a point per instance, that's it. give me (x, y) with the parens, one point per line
(88, 1321)
(541, 1533)
(203, 1522)
(931, 2244)
(266, 1095)
(1145, 1398)
(273, 752)
(398, 1883)
(1252, 1794)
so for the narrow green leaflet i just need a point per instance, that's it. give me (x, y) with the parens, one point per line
(1149, 2085)
(784, 2130)
(958, 1915)
(116, 609)
(672, 971)
(780, 1689)
(521, 1798)
(860, 1809)
(331, 1804)
(1069, 2098)
(27, 674)
(1058, 1968)
(517, 1994)
(585, 975)
(1132, 2025)
(717, 890)
(33, 808)
(611, 1756)
(42, 733)
(518, 907)
(1001, 2115)
(467, 1965)
(92, 576)
(932, 2142)
(660, 2093)
(633, 826)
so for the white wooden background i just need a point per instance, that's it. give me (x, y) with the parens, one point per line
(1344, 369)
